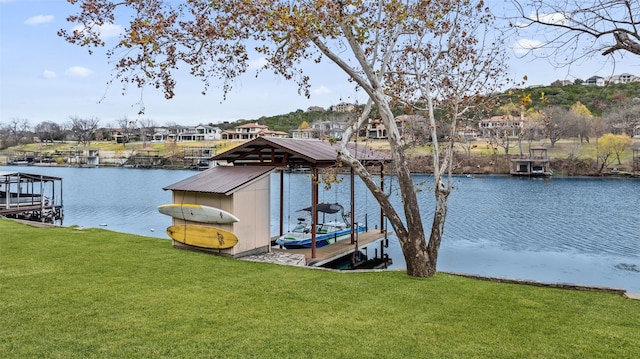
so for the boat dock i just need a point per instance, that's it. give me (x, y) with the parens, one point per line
(336, 250)
(32, 197)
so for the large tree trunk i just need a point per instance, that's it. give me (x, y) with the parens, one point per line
(437, 226)
(411, 237)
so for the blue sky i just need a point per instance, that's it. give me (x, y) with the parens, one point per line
(43, 78)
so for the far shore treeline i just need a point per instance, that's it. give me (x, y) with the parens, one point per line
(588, 130)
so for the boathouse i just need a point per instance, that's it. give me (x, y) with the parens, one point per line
(244, 192)
(31, 197)
(536, 163)
(241, 185)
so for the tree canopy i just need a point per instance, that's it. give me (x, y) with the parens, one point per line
(577, 29)
(427, 56)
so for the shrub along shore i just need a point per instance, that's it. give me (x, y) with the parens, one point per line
(79, 293)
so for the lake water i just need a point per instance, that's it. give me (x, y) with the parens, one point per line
(569, 230)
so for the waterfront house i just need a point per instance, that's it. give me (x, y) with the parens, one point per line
(251, 131)
(501, 126)
(199, 133)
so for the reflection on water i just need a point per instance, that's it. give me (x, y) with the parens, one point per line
(573, 230)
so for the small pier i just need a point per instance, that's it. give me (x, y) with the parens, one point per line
(338, 250)
(199, 158)
(147, 157)
(31, 197)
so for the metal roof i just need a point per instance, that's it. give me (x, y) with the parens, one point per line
(10, 175)
(293, 152)
(221, 179)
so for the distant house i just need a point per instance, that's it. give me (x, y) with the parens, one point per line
(624, 78)
(595, 81)
(315, 109)
(376, 129)
(160, 134)
(251, 131)
(343, 107)
(199, 133)
(302, 133)
(329, 129)
(501, 126)
(561, 83)
(631, 128)
(411, 127)
(467, 132)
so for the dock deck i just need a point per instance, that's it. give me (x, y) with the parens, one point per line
(336, 250)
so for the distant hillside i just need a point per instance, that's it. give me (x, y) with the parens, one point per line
(292, 120)
(597, 98)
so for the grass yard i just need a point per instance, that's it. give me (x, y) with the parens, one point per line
(70, 293)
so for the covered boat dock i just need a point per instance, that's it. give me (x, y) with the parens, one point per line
(32, 197)
(310, 155)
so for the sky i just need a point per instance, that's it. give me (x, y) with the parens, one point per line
(44, 78)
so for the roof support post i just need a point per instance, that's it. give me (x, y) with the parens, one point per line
(352, 209)
(382, 229)
(282, 201)
(314, 210)
(42, 199)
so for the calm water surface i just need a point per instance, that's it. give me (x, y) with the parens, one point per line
(570, 230)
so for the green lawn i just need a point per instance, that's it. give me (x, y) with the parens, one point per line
(70, 293)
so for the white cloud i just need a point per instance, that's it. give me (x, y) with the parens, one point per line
(554, 18)
(106, 31)
(78, 71)
(322, 90)
(110, 30)
(40, 19)
(48, 74)
(257, 64)
(523, 46)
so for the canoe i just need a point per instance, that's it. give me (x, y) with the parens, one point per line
(202, 236)
(197, 213)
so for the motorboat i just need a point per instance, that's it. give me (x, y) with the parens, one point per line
(327, 232)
